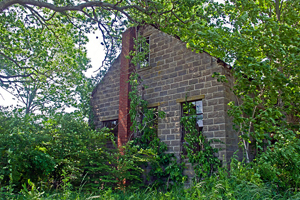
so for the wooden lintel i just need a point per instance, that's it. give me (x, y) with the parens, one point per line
(143, 69)
(192, 98)
(151, 105)
(114, 117)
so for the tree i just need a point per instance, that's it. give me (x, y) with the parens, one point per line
(21, 44)
(41, 49)
(40, 62)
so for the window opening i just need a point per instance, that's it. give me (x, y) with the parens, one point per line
(196, 111)
(112, 124)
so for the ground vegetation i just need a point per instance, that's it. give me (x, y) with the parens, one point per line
(53, 154)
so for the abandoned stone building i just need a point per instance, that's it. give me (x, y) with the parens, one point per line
(174, 73)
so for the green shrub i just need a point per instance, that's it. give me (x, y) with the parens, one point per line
(279, 165)
(48, 150)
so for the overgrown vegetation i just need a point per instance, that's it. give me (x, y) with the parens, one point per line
(62, 149)
(200, 152)
(58, 156)
(164, 169)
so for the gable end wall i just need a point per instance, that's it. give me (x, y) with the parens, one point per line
(176, 72)
(105, 97)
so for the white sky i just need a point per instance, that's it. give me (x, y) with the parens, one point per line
(95, 52)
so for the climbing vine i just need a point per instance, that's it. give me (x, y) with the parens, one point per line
(144, 120)
(164, 169)
(199, 151)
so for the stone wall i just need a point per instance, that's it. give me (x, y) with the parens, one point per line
(232, 138)
(105, 97)
(176, 72)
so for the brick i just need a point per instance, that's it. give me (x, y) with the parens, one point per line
(178, 79)
(170, 137)
(208, 134)
(197, 63)
(195, 93)
(208, 122)
(190, 59)
(179, 57)
(157, 89)
(169, 60)
(179, 90)
(184, 83)
(212, 102)
(169, 81)
(219, 134)
(175, 119)
(180, 63)
(175, 130)
(178, 68)
(172, 91)
(187, 76)
(164, 93)
(209, 78)
(216, 83)
(177, 143)
(190, 88)
(219, 120)
(182, 72)
(194, 81)
(218, 94)
(166, 131)
(212, 89)
(207, 84)
(172, 75)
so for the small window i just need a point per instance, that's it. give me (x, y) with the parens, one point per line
(145, 48)
(196, 110)
(112, 124)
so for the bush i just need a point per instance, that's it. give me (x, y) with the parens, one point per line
(46, 150)
(279, 165)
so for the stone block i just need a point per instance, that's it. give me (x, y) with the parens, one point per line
(170, 137)
(165, 131)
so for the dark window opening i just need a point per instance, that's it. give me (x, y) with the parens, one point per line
(196, 111)
(113, 125)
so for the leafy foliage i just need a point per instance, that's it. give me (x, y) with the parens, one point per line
(240, 182)
(42, 62)
(164, 168)
(42, 59)
(279, 165)
(199, 151)
(48, 151)
(260, 41)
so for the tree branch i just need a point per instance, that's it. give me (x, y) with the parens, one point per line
(7, 3)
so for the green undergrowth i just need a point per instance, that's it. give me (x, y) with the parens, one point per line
(211, 188)
(239, 181)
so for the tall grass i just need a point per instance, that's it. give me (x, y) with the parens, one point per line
(211, 188)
